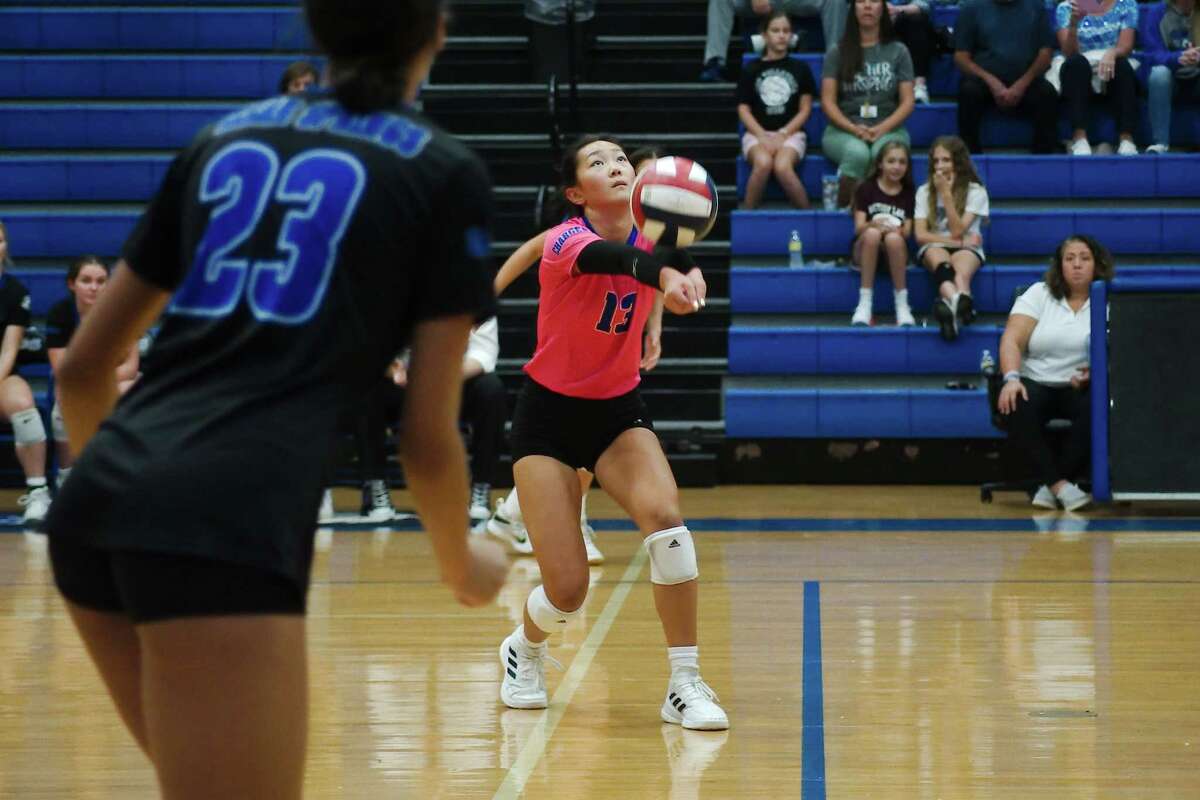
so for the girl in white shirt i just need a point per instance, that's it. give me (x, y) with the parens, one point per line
(950, 209)
(1044, 355)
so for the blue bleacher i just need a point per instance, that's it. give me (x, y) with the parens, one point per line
(104, 126)
(80, 178)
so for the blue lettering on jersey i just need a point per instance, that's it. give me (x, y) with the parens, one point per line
(322, 187)
(398, 134)
(567, 234)
(274, 113)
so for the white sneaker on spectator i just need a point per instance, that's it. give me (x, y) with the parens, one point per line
(589, 543)
(904, 316)
(1073, 498)
(326, 513)
(1158, 149)
(862, 314)
(1045, 498)
(691, 703)
(37, 503)
(1127, 148)
(1080, 147)
(509, 531)
(921, 93)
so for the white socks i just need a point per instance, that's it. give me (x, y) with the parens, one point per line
(583, 511)
(866, 297)
(684, 658)
(531, 648)
(901, 297)
(36, 483)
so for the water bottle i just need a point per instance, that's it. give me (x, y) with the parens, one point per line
(987, 365)
(795, 251)
(829, 192)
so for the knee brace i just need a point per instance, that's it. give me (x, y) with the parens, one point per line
(27, 427)
(943, 273)
(58, 426)
(545, 615)
(672, 556)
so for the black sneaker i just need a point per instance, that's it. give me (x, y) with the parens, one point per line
(713, 72)
(945, 319)
(966, 310)
(481, 501)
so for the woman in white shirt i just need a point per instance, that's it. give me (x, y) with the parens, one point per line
(1044, 355)
(948, 219)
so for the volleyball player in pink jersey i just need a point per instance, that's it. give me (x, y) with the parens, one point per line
(580, 407)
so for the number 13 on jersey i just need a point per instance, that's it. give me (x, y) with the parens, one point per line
(286, 286)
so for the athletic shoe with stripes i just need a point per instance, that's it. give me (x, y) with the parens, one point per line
(524, 683)
(691, 703)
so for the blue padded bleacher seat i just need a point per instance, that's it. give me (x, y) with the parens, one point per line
(104, 126)
(139, 28)
(142, 76)
(1011, 232)
(65, 233)
(80, 178)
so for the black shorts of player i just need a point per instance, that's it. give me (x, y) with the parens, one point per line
(574, 430)
(154, 587)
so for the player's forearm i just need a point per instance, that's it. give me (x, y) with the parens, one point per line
(435, 469)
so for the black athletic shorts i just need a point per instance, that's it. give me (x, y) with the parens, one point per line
(574, 430)
(152, 587)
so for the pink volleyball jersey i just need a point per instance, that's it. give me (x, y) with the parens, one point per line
(589, 328)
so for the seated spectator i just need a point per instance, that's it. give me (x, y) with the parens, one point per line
(1003, 48)
(914, 27)
(16, 398)
(883, 220)
(1173, 48)
(298, 78)
(1096, 48)
(549, 51)
(1044, 356)
(86, 279)
(775, 97)
(950, 209)
(720, 25)
(866, 94)
(484, 409)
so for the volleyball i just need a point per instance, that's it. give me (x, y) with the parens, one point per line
(674, 202)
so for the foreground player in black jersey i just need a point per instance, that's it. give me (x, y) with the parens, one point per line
(293, 248)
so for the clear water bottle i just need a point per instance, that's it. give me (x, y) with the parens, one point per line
(795, 251)
(987, 365)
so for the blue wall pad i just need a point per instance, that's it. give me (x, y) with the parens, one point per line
(91, 178)
(170, 28)
(825, 290)
(1011, 232)
(105, 126)
(817, 350)
(68, 234)
(868, 413)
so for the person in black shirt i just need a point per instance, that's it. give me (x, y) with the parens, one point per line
(775, 97)
(16, 398)
(293, 248)
(86, 278)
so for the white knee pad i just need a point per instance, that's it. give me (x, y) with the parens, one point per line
(27, 427)
(672, 556)
(544, 614)
(57, 424)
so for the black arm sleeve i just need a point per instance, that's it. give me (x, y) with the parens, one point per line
(610, 258)
(675, 257)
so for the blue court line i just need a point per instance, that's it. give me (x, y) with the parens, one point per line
(812, 745)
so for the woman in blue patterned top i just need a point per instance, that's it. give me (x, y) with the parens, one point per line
(1097, 45)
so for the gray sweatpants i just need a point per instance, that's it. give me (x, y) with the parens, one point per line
(720, 20)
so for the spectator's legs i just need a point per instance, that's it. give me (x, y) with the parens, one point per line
(897, 252)
(370, 437)
(1076, 78)
(1040, 103)
(720, 28)
(916, 31)
(866, 255)
(1161, 88)
(965, 264)
(833, 20)
(760, 172)
(936, 257)
(1076, 406)
(974, 98)
(851, 154)
(548, 50)
(16, 403)
(785, 172)
(1026, 427)
(1123, 91)
(485, 408)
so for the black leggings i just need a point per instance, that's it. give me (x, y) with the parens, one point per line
(1027, 427)
(1121, 94)
(916, 31)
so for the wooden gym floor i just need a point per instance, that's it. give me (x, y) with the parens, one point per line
(867, 642)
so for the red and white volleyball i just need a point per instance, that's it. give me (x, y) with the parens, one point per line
(674, 202)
